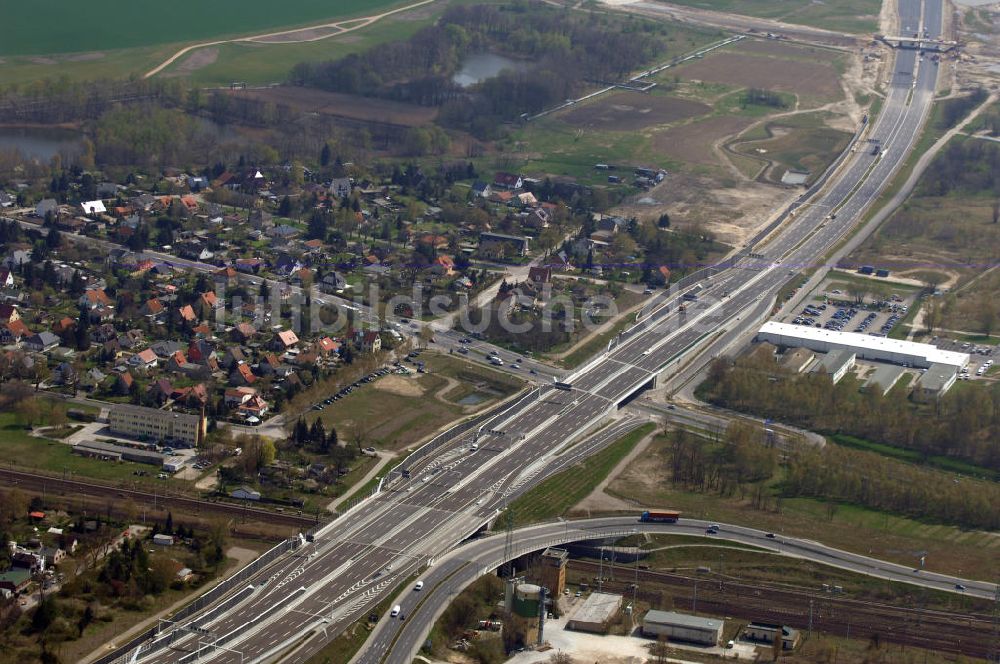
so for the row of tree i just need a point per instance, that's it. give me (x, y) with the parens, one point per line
(963, 424)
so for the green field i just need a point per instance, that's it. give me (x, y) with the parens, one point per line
(260, 64)
(838, 15)
(38, 28)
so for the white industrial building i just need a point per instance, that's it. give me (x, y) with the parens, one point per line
(682, 627)
(864, 346)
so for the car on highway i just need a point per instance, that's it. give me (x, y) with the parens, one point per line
(959, 586)
(395, 611)
(769, 536)
(419, 586)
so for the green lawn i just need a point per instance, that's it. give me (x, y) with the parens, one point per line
(22, 450)
(397, 417)
(36, 28)
(556, 495)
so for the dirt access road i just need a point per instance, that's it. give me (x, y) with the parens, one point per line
(296, 35)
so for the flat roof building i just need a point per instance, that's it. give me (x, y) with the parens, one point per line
(155, 424)
(937, 380)
(884, 378)
(682, 627)
(864, 346)
(836, 364)
(110, 452)
(767, 633)
(596, 613)
(797, 359)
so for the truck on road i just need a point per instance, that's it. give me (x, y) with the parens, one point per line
(660, 516)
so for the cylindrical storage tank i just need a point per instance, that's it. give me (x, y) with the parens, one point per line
(526, 598)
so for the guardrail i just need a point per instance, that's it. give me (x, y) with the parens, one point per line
(147, 642)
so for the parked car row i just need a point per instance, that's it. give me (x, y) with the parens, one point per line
(356, 384)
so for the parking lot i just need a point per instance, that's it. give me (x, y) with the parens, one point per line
(835, 311)
(384, 371)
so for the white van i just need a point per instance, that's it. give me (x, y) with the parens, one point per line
(395, 611)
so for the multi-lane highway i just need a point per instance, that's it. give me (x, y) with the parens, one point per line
(397, 640)
(306, 598)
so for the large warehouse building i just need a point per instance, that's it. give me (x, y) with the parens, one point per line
(682, 627)
(864, 346)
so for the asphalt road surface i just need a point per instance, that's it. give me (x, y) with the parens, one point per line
(395, 640)
(308, 597)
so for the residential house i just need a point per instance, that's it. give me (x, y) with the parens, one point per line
(326, 345)
(481, 189)
(498, 244)
(94, 297)
(144, 360)
(124, 383)
(332, 283)
(369, 341)
(508, 181)
(6, 278)
(340, 187)
(443, 265)
(527, 199)
(237, 396)
(41, 342)
(63, 325)
(17, 258)
(14, 333)
(228, 275)
(249, 265)
(241, 375)
(187, 314)
(255, 406)
(9, 313)
(64, 374)
(152, 307)
(46, 206)
(537, 219)
(244, 332)
(160, 391)
(93, 208)
(245, 493)
(285, 340)
(539, 275)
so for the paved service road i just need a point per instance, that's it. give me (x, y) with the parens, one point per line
(399, 641)
(304, 599)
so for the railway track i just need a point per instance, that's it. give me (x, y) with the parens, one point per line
(36, 482)
(956, 633)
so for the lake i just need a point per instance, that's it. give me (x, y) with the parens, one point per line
(40, 143)
(481, 66)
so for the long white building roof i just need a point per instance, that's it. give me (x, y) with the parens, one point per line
(931, 354)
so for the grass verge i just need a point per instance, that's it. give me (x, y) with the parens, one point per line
(556, 495)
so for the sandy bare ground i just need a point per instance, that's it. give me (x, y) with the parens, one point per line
(308, 34)
(404, 387)
(196, 61)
